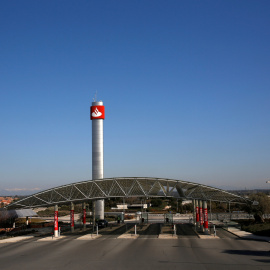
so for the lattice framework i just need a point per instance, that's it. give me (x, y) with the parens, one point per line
(126, 187)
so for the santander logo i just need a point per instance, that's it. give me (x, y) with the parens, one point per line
(97, 112)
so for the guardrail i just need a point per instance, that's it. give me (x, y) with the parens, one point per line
(211, 216)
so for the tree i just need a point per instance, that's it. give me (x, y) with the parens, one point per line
(156, 202)
(263, 206)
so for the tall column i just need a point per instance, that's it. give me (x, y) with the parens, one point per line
(205, 216)
(197, 213)
(84, 216)
(56, 220)
(201, 214)
(72, 217)
(97, 116)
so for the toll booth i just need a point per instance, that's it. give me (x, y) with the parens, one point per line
(168, 218)
(144, 217)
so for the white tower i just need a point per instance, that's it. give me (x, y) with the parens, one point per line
(97, 115)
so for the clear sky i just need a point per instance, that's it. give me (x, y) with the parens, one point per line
(186, 86)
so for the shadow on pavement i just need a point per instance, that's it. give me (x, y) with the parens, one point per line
(263, 261)
(185, 230)
(248, 252)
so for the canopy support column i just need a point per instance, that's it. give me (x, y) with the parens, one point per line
(197, 213)
(72, 217)
(94, 214)
(201, 214)
(56, 220)
(205, 215)
(194, 212)
(84, 216)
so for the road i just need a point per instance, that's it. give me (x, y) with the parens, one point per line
(109, 252)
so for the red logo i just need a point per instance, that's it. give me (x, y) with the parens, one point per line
(56, 220)
(205, 215)
(97, 112)
(72, 218)
(84, 216)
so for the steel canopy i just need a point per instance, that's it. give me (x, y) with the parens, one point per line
(126, 187)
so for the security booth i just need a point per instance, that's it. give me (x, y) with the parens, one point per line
(144, 217)
(168, 218)
(8, 217)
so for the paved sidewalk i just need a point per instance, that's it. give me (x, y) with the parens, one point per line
(247, 235)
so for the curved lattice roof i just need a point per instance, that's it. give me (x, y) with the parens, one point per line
(126, 187)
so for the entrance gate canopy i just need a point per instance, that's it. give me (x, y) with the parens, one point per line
(126, 187)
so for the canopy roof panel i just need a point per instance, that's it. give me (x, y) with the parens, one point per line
(126, 187)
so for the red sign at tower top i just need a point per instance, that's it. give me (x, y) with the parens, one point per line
(97, 112)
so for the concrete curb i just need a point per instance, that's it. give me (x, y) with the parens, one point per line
(50, 238)
(167, 236)
(205, 236)
(247, 235)
(88, 237)
(16, 239)
(128, 236)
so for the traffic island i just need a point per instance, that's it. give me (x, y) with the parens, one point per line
(131, 234)
(51, 238)
(89, 237)
(16, 239)
(207, 236)
(168, 232)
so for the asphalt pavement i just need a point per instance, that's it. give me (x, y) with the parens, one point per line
(141, 253)
(108, 250)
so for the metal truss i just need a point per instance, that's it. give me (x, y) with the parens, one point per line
(126, 187)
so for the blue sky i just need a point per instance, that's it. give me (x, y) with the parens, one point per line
(185, 84)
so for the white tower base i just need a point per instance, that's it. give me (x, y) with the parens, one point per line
(99, 209)
(97, 158)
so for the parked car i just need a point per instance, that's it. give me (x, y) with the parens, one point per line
(102, 223)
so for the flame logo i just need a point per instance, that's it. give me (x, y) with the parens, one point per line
(96, 113)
